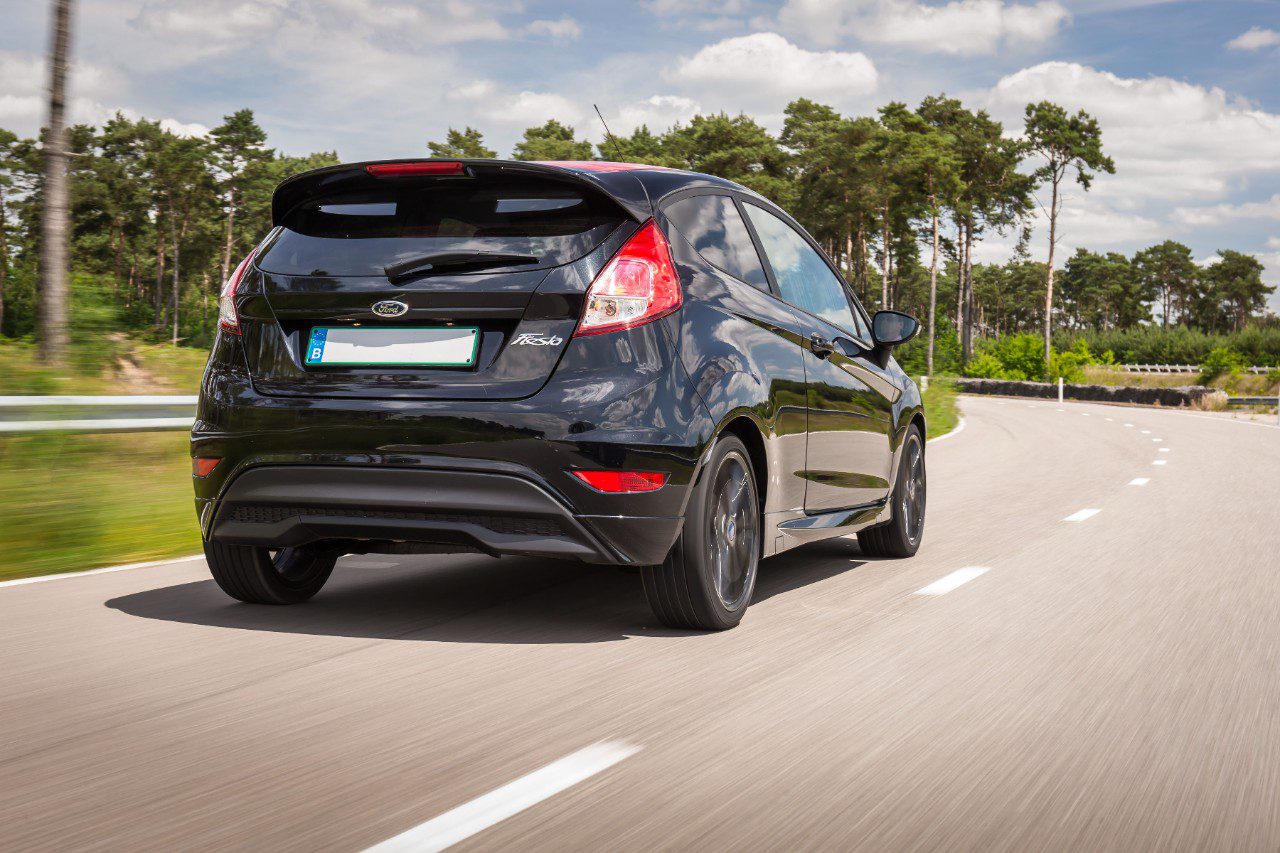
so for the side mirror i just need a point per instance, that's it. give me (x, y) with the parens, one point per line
(893, 328)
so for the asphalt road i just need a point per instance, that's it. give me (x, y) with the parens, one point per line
(1108, 683)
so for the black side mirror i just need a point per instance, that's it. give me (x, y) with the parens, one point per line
(893, 328)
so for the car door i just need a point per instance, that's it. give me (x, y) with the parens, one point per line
(849, 397)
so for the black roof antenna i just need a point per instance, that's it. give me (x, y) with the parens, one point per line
(617, 152)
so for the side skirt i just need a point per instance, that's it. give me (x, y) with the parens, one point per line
(788, 529)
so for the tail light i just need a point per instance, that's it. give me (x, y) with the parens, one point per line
(228, 319)
(623, 482)
(637, 286)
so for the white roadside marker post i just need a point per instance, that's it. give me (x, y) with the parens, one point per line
(1059, 389)
(924, 384)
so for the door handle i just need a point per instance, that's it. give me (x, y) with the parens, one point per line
(820, 346)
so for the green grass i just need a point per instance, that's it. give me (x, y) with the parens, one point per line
(71, 502)
(102, 365)
(941, 413)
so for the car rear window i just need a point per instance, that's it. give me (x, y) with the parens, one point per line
(360, 233)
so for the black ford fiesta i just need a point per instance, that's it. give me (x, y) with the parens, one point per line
(595, 361)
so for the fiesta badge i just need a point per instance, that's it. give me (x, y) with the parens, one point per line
(389, 308)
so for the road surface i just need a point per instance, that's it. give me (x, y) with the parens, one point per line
(1111, 681)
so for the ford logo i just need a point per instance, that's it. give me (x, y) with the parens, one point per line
(389, 308)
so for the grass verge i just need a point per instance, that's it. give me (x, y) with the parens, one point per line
(72, 502)
(941, 412)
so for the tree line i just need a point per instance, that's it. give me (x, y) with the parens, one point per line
(901, 200)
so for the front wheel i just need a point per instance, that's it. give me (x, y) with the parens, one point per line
(901, 535)
(707, 580)
(260, 576)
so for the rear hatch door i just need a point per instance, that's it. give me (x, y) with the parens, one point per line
(456, 286)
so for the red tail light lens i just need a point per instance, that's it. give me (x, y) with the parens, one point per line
(202, 466)
(638, 286)
(228, 319)
(623, 482)
(404, 170)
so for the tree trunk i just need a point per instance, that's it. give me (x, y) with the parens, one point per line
(959, 278)
(1048, 291)
(884, 278)
(53, 249)
(157, 293)
(933, 294)
(173, 240)
(967, 347)
(4, 255)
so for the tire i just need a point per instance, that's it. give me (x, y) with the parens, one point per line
(902, 534)
(256, 576)
(708, 578)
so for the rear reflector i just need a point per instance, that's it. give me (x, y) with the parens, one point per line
(426, 167)
(638, 286)
(202, 466)
(623, 482)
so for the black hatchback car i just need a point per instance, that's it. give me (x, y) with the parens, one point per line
(604, 362)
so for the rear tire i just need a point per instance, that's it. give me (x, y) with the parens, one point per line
(256, 576)
(708, 578)
(901, 536)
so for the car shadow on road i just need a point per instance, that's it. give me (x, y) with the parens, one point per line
(469, 599)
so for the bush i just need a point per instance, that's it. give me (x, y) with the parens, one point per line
(1013, 357)
(1219, 361)
(914, 356)
(1259, 344)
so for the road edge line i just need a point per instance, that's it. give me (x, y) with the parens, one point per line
(105, 570)
(955, 429)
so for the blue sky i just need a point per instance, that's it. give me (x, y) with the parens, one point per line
(1186, 92)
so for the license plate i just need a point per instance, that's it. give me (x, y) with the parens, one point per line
(412, 346)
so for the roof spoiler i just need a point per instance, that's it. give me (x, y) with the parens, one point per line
(613, 180)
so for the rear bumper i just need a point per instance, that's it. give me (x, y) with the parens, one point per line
(278, 506)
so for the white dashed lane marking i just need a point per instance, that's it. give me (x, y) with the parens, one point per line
(1082, 515)
(501, 803)
(1139, 481)
(957, 578)
(1160, 462)
(1164, 450)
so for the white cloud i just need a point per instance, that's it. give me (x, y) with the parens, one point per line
(657, 113)
(1171, 140)
(1256, 38)
(1220, 213)
(564, 28)
(766, 68)
(962, 27)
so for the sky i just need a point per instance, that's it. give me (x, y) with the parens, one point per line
(1186, 93)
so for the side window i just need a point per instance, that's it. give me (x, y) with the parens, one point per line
(713, 226)
(804, 279)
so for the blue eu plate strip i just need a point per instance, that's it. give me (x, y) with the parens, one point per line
(315, 349)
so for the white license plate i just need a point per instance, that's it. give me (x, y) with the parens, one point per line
(413, 346)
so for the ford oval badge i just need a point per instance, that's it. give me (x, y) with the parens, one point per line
(389, 308)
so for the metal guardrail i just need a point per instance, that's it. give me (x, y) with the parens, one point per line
(96, 413)
(1179, 368)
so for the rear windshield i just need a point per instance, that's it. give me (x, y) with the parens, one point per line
(361, 233)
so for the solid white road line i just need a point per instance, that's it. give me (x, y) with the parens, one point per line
(1139, 481)
(1161, 462)
(1081, 515)
(496, 806)
(107, 570)
(957, 578)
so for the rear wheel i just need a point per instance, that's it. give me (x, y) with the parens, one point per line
(901, 536)
(707, 580)
(261, 576)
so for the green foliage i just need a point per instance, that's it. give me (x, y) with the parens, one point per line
(462, 143)
(1219, 361)
(1258, 344)
(551, 141)
(1020, 357)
